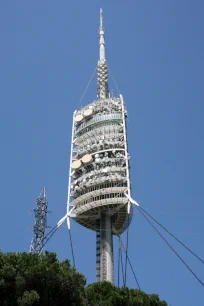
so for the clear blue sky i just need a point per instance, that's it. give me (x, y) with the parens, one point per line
(155, 49)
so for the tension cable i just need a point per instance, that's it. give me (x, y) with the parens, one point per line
(127, 244)
(87, 86)
(119, 250)
(171, 247)
(70, 238)
(120, 261)
(172, 235)
(130, 264)
(52, 232)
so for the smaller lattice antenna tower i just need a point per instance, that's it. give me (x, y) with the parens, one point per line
(40, 223)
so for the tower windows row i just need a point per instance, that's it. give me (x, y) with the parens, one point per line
(98, 118)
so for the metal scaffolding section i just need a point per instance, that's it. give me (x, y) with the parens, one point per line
(40, 223)
(99, 168)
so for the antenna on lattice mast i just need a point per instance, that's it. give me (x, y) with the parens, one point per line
(103, 91)
(40, 224)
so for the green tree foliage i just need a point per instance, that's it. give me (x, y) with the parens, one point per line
(28, 298)
(105, 294)
(29, 279)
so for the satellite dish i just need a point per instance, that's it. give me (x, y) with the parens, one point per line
(76, 164)
(88, 112)
(87, 159)
(78, 118)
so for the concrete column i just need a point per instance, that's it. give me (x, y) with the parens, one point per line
(106, 249)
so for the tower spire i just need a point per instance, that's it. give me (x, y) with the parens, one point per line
(102, 66)
(101, 38)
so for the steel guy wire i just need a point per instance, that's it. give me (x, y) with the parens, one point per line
(130, 264)
(172, 248)
(172, 235)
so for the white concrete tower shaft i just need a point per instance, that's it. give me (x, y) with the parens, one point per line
(106, 248)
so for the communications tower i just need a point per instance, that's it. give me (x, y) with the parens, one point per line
(40, 225)
(99, 168)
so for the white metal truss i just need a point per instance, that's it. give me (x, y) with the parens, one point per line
(70, 171)
(126, 151)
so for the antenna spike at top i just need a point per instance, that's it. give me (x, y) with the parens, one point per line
(101, 38)
(101, 18)
(103, 90)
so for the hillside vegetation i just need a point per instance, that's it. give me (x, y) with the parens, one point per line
(29, 279)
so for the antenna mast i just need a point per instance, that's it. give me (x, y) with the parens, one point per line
(40, 223)
(103, 90)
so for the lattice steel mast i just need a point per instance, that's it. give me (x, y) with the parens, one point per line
(99, 168)
(40, 223)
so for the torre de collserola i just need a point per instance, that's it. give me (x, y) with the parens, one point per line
(99, 180)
